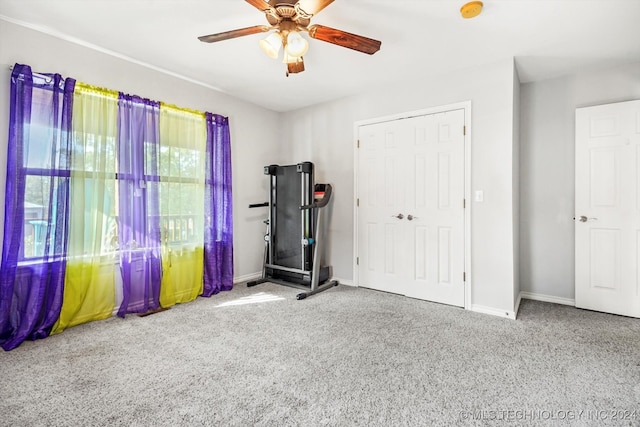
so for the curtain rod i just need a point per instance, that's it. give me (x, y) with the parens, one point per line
(167, 106)
(39, 75)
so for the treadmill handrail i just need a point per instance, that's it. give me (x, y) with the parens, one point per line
(322, 202)
(259, 205)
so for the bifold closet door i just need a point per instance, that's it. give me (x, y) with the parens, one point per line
(411, 212)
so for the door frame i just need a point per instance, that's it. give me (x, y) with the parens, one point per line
(464, 105)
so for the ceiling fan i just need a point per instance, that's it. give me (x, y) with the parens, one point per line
(288, 18)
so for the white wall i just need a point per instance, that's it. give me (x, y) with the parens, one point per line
(547, 168)
(255, 138)
(324, 135)
(328, 130)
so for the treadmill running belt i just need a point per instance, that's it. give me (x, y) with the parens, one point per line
(288, 238)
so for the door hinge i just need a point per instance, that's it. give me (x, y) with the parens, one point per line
(464, 203)
(464, 276)
(464, 130)
(358, 202)
(358, 144)
(357, 260)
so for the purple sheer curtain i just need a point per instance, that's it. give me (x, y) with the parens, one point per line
(139, 212)
(218, 233)
(39, 147)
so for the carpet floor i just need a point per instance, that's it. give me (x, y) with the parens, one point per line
(345, 357)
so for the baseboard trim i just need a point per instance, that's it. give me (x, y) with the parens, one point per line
(246, 278)
(493, 311)
(344, 281)
(548, 298)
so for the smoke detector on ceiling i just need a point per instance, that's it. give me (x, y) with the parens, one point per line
(471, 9)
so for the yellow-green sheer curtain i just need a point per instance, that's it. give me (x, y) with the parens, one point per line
(89, 289)
(183, 136)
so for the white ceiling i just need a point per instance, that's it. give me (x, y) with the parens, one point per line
(420, 39)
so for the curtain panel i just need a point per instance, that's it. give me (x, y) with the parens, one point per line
(139, 214)
(89, 291)
(218, 213)
(114, 204)
(183, 136)
(38, 157)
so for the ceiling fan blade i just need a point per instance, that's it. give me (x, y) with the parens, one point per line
(344, 39)
(312, 7)
(259, 4)
(234, 33)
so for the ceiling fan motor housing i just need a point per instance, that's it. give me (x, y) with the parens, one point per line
(287, 10)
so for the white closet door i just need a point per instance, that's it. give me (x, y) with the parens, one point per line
(435, 196)
(382, 200)
(411, 214)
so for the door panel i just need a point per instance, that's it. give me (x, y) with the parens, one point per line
(444, 186)
(444, 255)
(421, 264)
(604, 177)
(605, 258)
(607, 208)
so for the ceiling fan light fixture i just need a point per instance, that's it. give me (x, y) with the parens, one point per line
(287, 58)
(271, 45)
(296, 44)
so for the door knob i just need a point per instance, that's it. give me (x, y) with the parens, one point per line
(411, 217)
(585, 219)
(399, 216)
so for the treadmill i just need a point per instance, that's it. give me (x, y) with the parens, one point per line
(294, 237)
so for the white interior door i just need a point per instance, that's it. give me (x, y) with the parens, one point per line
(381, 204)
(435, 196)
(607, 226)
(411, 212)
